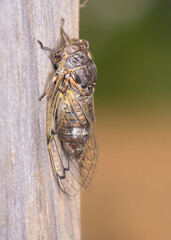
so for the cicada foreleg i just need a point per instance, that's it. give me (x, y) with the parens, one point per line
(47, 48)
(56, 57)
(63, 33)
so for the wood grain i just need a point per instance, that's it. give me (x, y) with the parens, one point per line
(31, 205)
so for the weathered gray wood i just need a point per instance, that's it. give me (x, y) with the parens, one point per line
(31, 205)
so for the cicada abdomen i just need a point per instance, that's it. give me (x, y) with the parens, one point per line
(71, 119)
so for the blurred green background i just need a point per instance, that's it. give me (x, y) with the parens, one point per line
(131, 44)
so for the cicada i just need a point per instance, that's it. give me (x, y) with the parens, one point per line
(70, 128)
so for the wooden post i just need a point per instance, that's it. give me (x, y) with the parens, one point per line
(31, 204)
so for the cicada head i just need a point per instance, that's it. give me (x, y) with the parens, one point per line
(76, 53)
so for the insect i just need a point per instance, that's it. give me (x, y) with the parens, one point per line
(70, 127)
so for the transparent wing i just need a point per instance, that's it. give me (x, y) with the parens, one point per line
(73, 172)
(89, 159)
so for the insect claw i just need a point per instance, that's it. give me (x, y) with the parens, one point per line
(42, 96)
(40, 43)
(62, 22)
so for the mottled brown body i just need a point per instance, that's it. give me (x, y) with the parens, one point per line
(73, 136)
(71, 119)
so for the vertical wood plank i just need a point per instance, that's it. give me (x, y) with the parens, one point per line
(31, 205)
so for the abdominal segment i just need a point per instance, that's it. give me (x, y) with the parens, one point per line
(73, 127)
(73, 140)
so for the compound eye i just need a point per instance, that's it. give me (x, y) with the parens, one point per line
(73, 49)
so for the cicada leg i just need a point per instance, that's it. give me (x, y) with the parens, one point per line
(56, 57)
(63, 33)
(49, 86)
(47, 48)
(82, 5)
